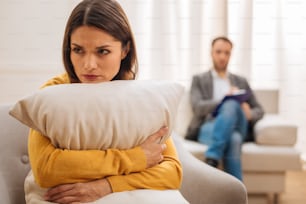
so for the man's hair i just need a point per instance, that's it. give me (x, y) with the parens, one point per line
(223, 38)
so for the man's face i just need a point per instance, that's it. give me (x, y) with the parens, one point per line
(221, 52)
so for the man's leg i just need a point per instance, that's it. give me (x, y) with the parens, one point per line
(232, 156)
(205, 134)
(206, 137)
(229, 119)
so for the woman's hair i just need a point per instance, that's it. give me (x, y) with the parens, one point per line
(108, 16)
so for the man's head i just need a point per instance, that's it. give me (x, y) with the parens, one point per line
(221, 48)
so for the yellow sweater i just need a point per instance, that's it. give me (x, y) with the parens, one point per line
(124, 169)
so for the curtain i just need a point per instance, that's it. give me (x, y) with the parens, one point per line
(173, 36)
(173, 40)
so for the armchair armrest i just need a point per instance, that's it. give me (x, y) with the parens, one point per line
(275, 130)
(4, 194)
(203, 184)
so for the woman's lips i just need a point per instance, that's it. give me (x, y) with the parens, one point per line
(90, 77)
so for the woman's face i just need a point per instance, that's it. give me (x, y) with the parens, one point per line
(95, 55)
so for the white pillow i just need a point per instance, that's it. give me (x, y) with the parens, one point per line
(35, 194)
(117, 114)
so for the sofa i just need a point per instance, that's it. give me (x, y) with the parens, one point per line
(201, 183)
(264, 161)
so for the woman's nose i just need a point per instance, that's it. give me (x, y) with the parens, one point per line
(90, 62)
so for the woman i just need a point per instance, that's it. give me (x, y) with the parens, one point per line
(99, 46)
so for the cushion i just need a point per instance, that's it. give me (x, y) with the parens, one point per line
(274, 130)
(34, 194)
(145, 196)
(117, 114)
(268, 158)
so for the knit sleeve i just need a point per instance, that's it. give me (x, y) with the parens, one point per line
(52, 166)
(165, 175)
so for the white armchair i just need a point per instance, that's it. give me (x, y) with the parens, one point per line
(201, 183)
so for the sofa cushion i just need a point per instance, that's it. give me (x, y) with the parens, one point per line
(195, 148)
(261, 182)
(269, 158)
(117, 114)
(274, 130)
(260, 158)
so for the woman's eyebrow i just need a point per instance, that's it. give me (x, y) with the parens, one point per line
(103, 46)
(76, 45)
(99, 47)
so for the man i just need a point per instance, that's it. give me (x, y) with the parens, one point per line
(223, 131)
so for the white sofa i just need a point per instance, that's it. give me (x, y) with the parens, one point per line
(201, 184)
(264, 161)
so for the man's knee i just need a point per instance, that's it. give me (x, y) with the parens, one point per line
(236, 140)
(231, 107)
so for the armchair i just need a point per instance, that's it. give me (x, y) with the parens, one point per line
(201, 183)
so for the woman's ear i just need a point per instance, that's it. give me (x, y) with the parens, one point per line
(125, 50)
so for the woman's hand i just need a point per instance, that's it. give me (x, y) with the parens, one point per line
(152, 149)
(79, 192)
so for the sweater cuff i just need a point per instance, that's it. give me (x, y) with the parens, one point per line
(137, 158)
(118, 184)
(139, 162)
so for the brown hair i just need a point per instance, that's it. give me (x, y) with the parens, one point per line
(108, 16)
(223, 38)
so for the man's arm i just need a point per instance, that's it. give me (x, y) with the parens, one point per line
(202, 104)
(257, 111)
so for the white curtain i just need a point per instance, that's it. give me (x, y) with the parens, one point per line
(272, 37)
(173, 40)
(174, 36)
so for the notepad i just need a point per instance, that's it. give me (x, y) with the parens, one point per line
(240, 95)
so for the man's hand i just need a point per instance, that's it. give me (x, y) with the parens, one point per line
(79, 192)
(152, 149)
(247, 110)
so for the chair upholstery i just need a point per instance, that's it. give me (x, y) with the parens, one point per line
(13, 158)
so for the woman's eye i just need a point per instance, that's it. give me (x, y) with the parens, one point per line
(102, 51)
(77, 50)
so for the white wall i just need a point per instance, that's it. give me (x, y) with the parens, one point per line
(30, 44)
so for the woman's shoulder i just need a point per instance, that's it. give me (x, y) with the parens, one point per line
(59, 79)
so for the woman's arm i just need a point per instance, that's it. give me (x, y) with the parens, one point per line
(52, 166)
(166, 175)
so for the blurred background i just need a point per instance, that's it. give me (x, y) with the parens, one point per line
(173, 40)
